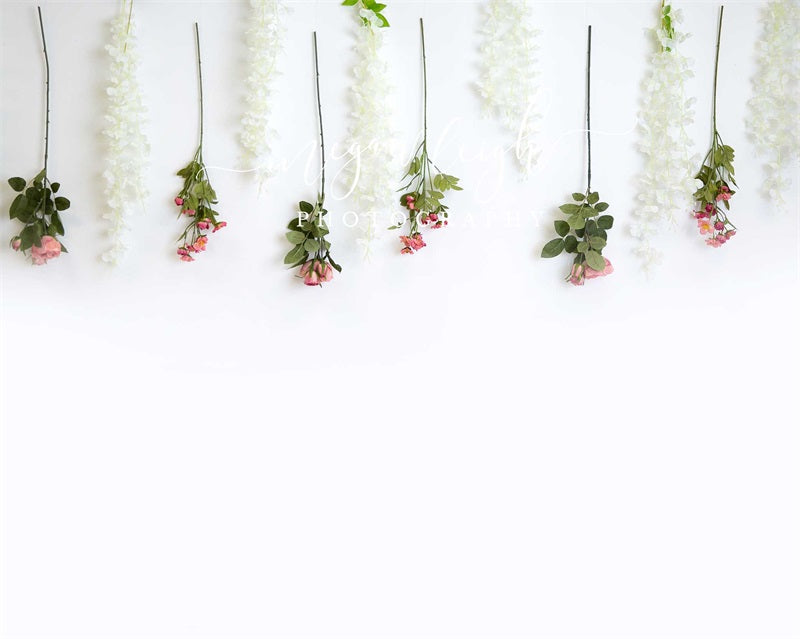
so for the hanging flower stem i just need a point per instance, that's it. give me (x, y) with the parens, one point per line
(584, 232)
(426, 185)
(716, 174)
(197, 197)
(36, 205)
(311, 250)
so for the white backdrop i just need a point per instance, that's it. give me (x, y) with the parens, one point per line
(452, 444)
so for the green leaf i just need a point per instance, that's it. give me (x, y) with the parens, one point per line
(597, 243)
(577, 222)
(578, 197)
(17, 183)
(311, 245)
(562, 227)
(297, 254)
(553, 248)
(605, 222)
(306, 207)
(29, 236)
(349, 3)
(569, 209)
(296, 237)
(601, 206)
(593, 197)
(595, 260)
(55, 222)
(55, 186)
(334, 264)
(18, 206)
(570, 244)
(62, 203)
(583, 247)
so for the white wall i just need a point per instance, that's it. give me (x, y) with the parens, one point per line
(456, 443)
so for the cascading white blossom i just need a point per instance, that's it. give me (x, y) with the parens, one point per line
(371, 145)
(128, 148)
(773, 118)
(508, 76)
(666, 183)
(264, 37)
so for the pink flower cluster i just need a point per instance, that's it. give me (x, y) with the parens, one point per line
(712, 221)
(412, 243)
(582, 272)
(50, 249)
(198, 246)
(315, 272)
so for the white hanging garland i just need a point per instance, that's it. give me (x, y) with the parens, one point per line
(370, 146)
(666, 184)
(508, 76)
(264, 40)
(127, 144)
(775, 104)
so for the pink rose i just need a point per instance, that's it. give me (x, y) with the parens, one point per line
(49, 250)
(417, 242)
(325, 271)
(590, 273)
(16, 243)
(576, 275)
(178, 201)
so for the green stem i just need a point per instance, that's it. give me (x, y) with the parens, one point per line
(588, 113)
(716, 68)
(424, 85)
(200, 76)
(47, 94)
(321, 132)
(128, 26)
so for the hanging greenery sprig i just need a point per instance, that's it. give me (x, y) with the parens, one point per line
(423, 194)
(197, 198)
(307, 231)
(584, 232)
(37, 206)
(370, 11)
(716, 176)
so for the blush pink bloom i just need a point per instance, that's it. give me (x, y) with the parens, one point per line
(325, 271)
(219, 225)
(178, 201)
(590, 273)
(49, 250)
(712, 241)
(576, 276)
(417, 242)
(16, 243)
(187, 258)
(189, 212)
(705, 226)
(723, 196)
(203, 225)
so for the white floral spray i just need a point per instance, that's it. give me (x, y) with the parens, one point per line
(265, 38)
(128, 148)
(666, 184)
(508, 76)
(773, 118)
(371, 143)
